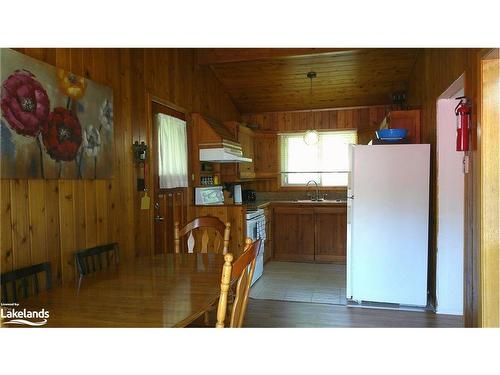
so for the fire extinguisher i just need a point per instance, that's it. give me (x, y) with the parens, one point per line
(463, 113)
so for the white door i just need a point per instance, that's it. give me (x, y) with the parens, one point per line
(389, 224)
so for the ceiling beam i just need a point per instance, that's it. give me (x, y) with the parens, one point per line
(212, 56)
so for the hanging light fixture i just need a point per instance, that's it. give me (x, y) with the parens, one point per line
(312, 136)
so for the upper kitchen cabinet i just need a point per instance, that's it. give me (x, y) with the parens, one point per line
(266, 154)
(240, 171)
(246, 139)
(409, 120)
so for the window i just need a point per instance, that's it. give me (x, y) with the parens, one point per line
(172, 152)
(325, 162)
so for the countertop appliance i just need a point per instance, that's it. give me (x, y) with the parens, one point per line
(237, 194)
(208, 195)
(249, 196)
(387, 224)
(256, 228)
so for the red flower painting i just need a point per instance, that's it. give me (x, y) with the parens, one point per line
(25, 103)
(62, 135)
(53, 123)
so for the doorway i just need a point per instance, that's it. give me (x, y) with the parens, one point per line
(450, 206)
(169, 204)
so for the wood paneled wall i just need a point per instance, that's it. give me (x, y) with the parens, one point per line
(365, 119)
(49, 219)
(434, 72)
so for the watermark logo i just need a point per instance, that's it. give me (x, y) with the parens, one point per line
(11, 314)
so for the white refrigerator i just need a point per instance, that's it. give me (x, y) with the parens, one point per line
(387, 223)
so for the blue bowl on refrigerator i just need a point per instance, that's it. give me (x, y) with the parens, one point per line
(391, 134)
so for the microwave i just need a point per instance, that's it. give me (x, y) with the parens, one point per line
(208, 195)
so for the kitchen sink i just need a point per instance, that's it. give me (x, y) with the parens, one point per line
(319, 201)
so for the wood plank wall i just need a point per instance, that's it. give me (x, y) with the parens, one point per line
(434, 72)
(365, 119)
(49, 220)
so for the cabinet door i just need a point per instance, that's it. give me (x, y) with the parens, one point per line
(409, 120)
(293, 234)
(245, 137)
(330, 233)
(268, 249)
(266, 155)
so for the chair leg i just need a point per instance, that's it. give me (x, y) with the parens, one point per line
(79, 284)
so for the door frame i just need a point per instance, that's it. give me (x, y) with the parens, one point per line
(473, 199)
(488, 313)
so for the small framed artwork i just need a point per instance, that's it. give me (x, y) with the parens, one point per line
(54, 124)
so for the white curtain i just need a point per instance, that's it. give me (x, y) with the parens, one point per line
(172, 152)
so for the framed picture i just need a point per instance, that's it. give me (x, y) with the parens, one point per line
(54, 124)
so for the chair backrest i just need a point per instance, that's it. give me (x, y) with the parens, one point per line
(241, 273)
(91, 260)
(29, 280)
(202, 235)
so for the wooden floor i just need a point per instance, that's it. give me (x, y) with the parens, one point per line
(285, 314)
(268, 313)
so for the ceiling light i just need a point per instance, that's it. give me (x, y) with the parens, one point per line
(312, 136)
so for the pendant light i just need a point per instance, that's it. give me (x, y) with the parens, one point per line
(312, 136)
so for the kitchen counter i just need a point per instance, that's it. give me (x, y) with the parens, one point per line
(265, 203)
(278, 202)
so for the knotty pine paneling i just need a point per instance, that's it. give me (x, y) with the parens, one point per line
(365, 76)
(365, 119)
(50, 219)
(434, 71)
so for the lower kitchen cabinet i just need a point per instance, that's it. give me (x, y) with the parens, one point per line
(310, 233)
(330, 234)
(293, 235)
(268, 246)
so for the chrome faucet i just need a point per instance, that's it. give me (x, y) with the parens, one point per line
(317, 198)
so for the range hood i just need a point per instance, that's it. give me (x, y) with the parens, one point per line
(227, 152)
(216, 143)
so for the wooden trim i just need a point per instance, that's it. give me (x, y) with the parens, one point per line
(318, 130)
(166, 103)
(211, 56)
(489, 221)
(160, 108)
(317, 109)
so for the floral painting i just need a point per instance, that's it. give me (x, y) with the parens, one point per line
(54, 124)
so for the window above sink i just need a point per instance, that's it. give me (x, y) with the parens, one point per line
(326, 161)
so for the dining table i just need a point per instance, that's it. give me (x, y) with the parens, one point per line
(167, 290)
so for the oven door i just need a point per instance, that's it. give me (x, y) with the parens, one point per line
(252, 228)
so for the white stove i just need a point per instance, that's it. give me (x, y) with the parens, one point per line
(256, 229)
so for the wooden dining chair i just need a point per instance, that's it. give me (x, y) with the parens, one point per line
(91, 259)
(240, 273)
(27, 276)
(207, 231)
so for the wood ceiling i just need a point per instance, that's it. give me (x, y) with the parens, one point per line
(266, 80)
